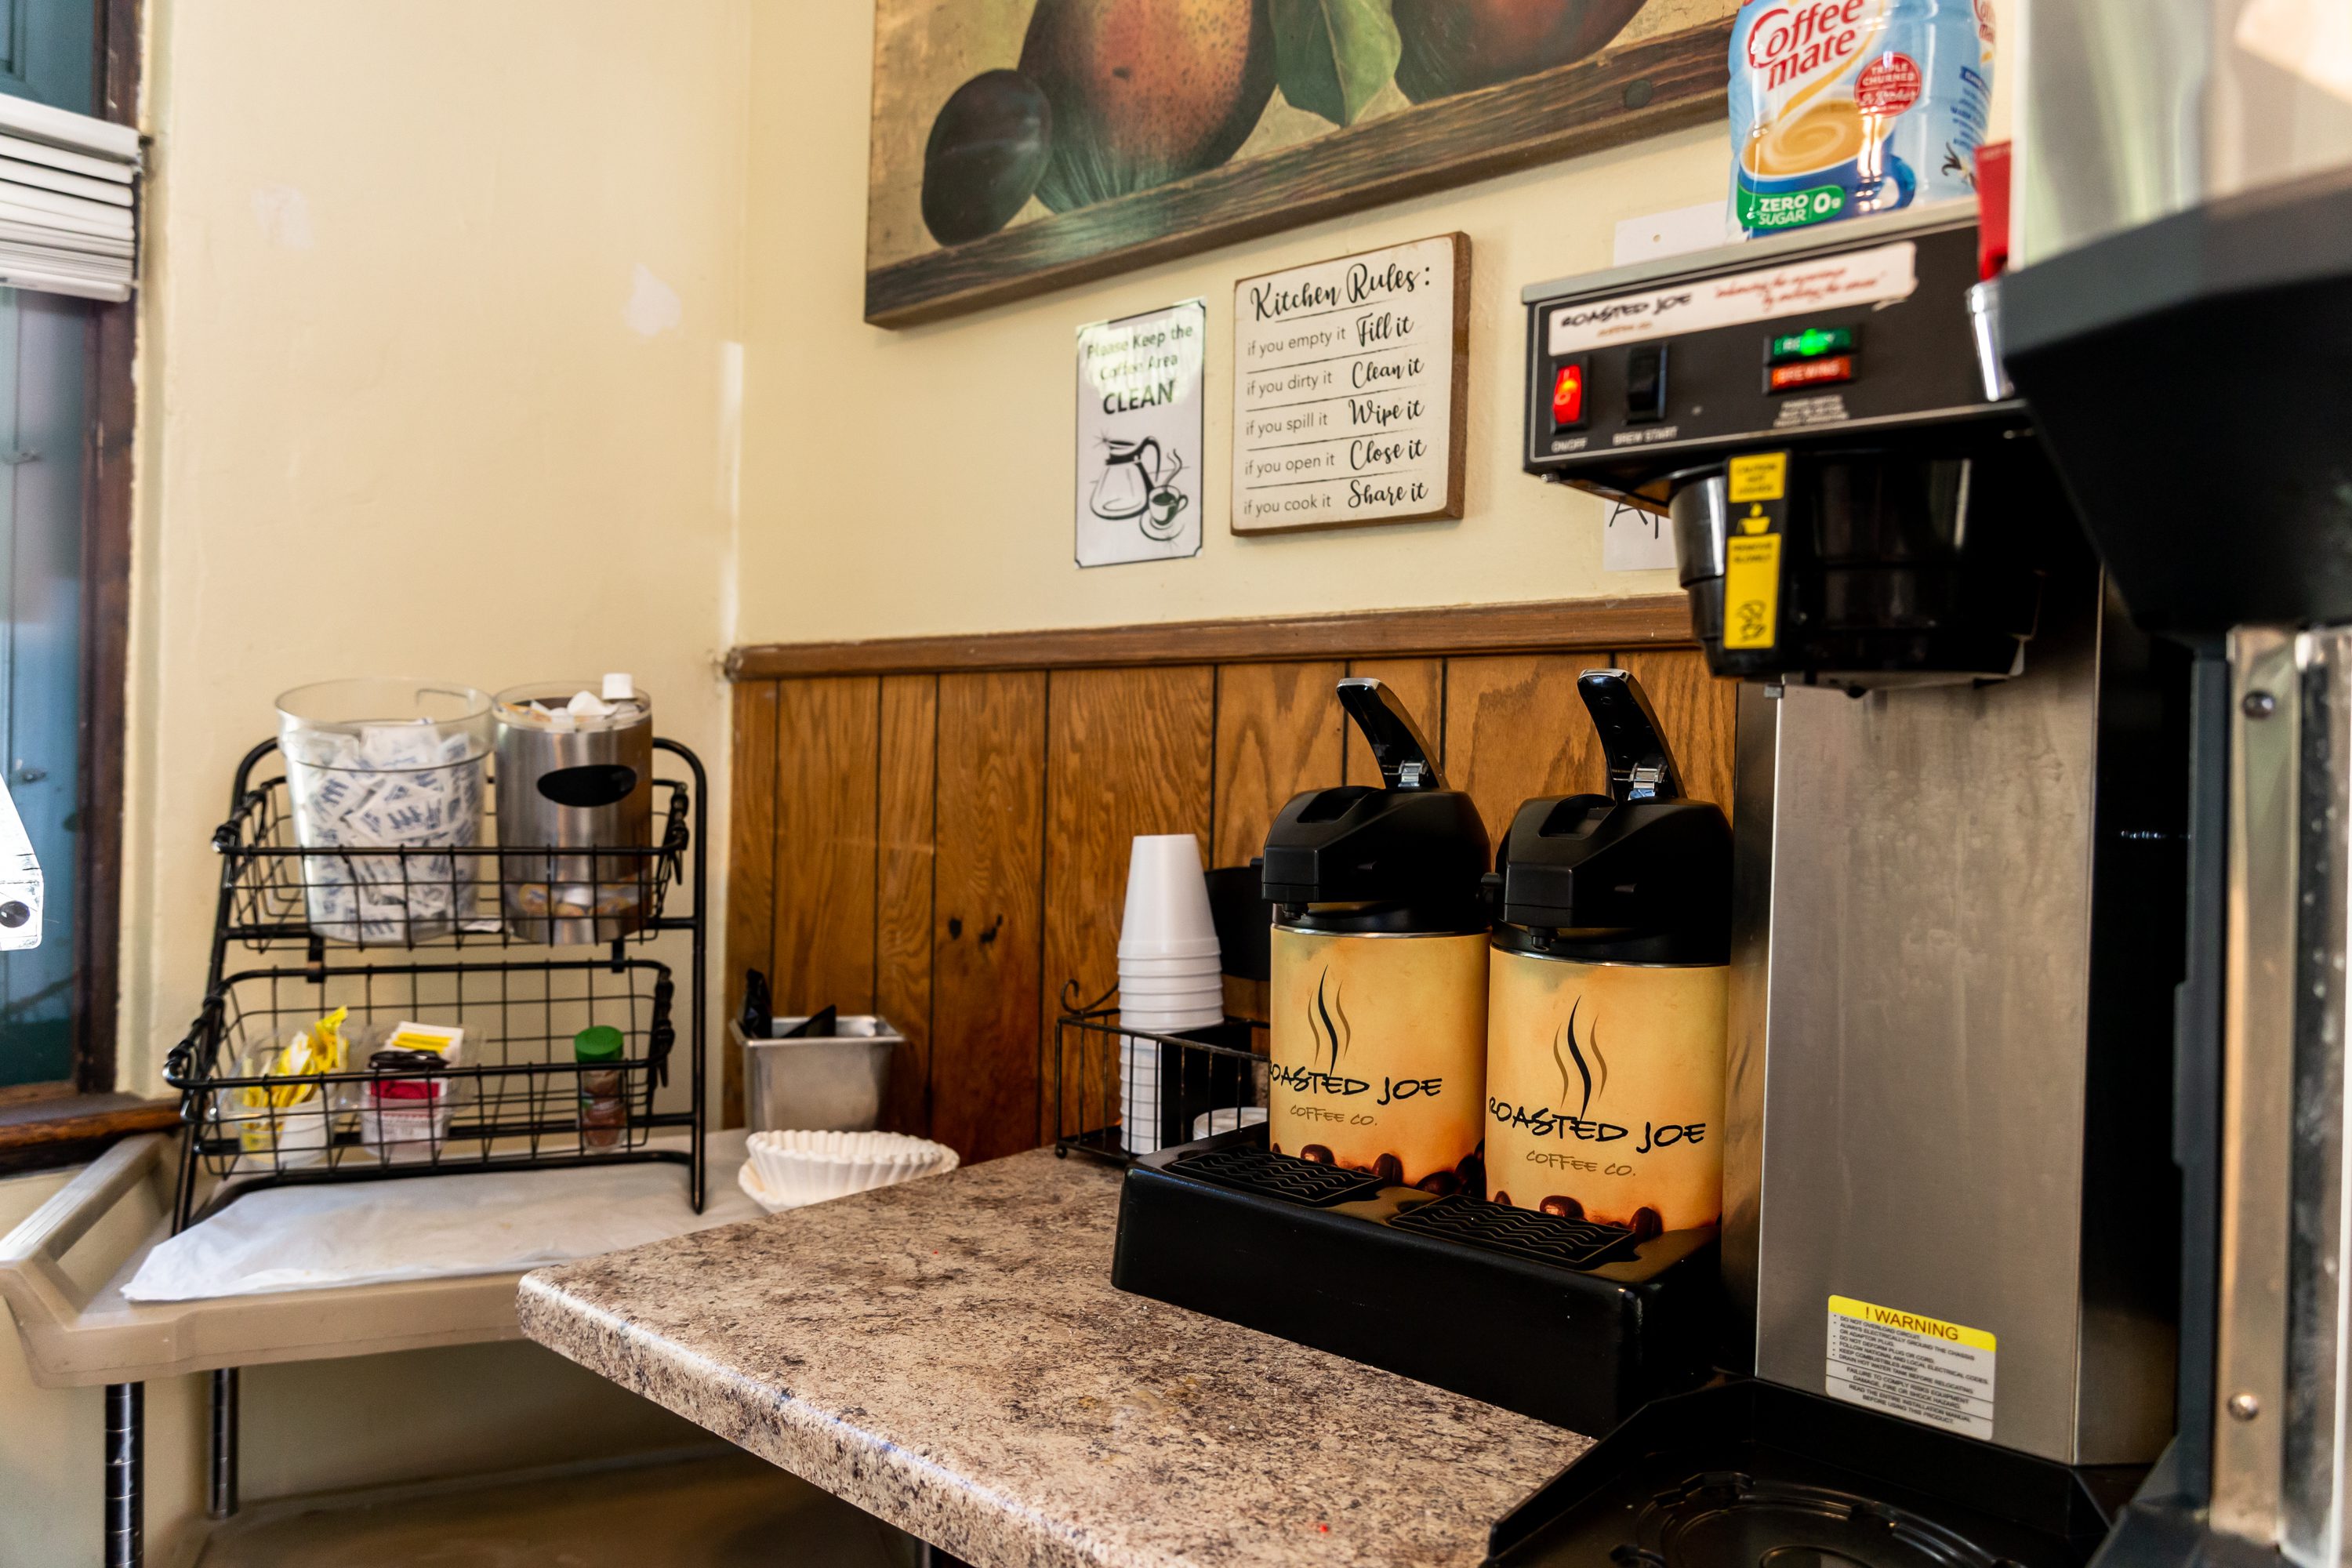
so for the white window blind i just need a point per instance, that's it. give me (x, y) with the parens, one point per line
(68, 200)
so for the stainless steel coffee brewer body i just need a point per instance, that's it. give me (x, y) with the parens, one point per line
(1955, 940)
(1948, 1195)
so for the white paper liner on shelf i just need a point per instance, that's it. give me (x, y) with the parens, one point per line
(431, 1227)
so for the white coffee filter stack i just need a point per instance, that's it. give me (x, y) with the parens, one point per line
(1170, 977)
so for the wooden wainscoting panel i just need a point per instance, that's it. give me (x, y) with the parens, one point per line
(1697, 711)
(903, 863)
(1128, 752)
(1514, 728)
(1420, 683)
(750, 874)
(826, 753)
(988, 923)
(1279, 732)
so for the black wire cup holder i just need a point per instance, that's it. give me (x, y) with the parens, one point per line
(1121, 1092)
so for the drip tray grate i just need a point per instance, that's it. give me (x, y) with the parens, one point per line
(1545, 1238)
(1280, 1177)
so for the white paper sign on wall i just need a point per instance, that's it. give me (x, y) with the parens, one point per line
(1139, 435)
(1351, 380)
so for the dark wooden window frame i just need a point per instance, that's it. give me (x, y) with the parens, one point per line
(53, 1124)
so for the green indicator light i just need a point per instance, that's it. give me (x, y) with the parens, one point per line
(1812, 342)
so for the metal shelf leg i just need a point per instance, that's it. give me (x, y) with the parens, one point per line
(220, 1468)
(126, 1482)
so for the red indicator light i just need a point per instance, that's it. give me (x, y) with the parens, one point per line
(1809, 372)
(1568, 395)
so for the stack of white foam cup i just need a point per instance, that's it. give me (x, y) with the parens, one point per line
(1169, 975)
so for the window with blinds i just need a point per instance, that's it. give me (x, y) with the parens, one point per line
(68, 190)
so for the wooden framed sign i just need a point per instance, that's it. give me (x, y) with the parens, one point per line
(1350, 389)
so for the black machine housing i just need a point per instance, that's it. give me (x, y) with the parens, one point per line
(1908, 530)
(1407, 856)
(1637, 876)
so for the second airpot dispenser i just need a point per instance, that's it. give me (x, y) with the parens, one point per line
(1606, 1009)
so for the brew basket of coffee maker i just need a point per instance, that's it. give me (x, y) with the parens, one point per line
(569, 784)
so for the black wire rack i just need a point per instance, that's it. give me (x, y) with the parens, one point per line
(441, 935)
(274, 890)
(1120, 1092)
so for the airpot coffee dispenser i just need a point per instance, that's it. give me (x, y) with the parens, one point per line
(1605, 1005)
(1378, 1003)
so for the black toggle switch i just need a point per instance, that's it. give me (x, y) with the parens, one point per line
(1645, 384)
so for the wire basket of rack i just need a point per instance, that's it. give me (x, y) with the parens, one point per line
(515, 1097)
(519, 946)
(478, 892)
(1120, 1092)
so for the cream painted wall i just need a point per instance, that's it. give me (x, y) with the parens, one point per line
(920, 480)
(435, 329)
(432, 380)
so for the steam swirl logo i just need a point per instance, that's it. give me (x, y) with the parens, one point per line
(1577, 1052)
(1326, 1021)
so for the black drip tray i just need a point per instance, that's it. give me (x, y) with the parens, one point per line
(1731, 1518)
(1752, 1475)
(1283, 1176)
(1559, 1318)
(1524, 1233)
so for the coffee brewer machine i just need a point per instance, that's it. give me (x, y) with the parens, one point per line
(2045, 789)
(1951, 1227)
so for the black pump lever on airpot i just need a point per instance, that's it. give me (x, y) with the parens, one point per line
(1397, 742)
(1640, 766)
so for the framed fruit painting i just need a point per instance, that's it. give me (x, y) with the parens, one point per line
(1024, 145)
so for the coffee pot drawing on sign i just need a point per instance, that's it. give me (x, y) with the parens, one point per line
(1129, 487)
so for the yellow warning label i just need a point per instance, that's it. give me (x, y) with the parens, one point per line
(1918, 1367)
(1912, 1322)
(1763, 477)
(1751, 591)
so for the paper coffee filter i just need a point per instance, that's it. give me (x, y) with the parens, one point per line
(794, 1168)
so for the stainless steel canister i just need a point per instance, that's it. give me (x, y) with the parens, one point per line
(572, 780)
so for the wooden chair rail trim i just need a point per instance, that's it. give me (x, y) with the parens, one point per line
(1658, 620)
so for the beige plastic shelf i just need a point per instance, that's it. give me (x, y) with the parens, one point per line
(63, 1270)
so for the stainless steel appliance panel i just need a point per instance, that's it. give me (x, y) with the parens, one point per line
(1927, 1031)
(1756, 761)
(2131, 110)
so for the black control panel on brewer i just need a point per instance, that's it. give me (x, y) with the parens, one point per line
(1775, 343)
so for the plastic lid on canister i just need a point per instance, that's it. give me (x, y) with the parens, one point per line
(597, 1043)
(1640, 875)
(1408, 855)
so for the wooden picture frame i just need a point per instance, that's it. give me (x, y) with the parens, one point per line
(1638, 87)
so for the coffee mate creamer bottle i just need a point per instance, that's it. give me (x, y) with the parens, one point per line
(1377, 1000)
(1844, 107)
(1606, 1013)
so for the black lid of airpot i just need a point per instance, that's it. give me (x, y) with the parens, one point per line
(1407, 857)
(1637, 876)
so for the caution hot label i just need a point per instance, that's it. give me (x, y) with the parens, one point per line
(1922, 1368)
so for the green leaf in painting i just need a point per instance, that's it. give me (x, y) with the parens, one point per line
(1331, 56)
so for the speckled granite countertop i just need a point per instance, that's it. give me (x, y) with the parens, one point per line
(950, 1356)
